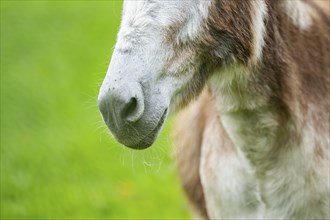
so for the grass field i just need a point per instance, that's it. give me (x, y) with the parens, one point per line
(57, 158)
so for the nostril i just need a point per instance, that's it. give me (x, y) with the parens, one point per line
(130, 108)
(122, 105)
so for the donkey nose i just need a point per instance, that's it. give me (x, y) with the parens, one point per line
(121, 105)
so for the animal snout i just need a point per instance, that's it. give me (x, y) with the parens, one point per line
(122, 105)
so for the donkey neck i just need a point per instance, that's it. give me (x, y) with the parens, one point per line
(253, 118)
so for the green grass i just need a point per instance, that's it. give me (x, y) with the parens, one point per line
(57, 158)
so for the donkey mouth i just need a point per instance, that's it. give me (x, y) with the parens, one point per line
(149, 139)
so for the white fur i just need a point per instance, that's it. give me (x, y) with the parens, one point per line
(194, 26)
(288, 185)
(228, 179)
(259, 15)
(299, 12)
(234, 97)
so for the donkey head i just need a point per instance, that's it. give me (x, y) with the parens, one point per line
(163, 55)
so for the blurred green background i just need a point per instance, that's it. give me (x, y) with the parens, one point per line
(57, 158)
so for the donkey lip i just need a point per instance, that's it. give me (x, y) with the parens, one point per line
(149, 139)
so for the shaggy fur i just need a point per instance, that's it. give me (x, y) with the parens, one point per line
(276, 113)
(255, 144)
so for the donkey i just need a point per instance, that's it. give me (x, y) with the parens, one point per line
(252, 81)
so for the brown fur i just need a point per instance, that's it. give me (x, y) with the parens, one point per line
(230, 23)
(293, 74)
(188, 150)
